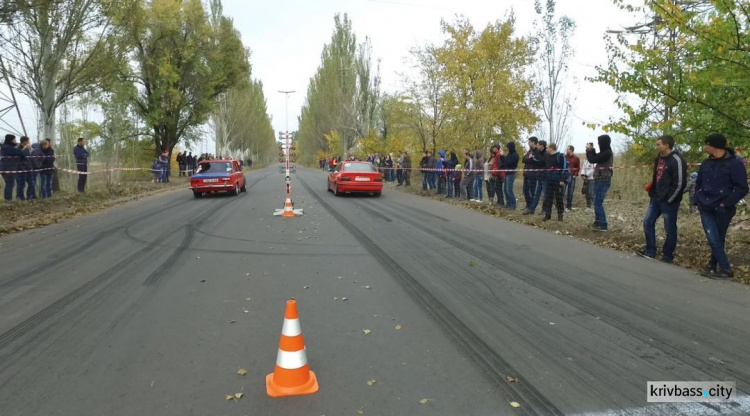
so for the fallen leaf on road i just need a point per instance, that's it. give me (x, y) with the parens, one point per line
(247, 274)
(241, 371)
(515, 404)
(335, 298)
(307, 287)
(424, 401)
(371, 383)
(367, 287)
(398, 327)
(232, 321)
(360, 412)
(512, 379)
(247, 298)
(238, 395)
(245, 310)
(339, 277)
(366, 331)
(472, 263)
(198, 258)
(344, 299)
(229, 397)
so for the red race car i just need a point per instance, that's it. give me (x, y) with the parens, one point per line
(353, 176)
(221, 175)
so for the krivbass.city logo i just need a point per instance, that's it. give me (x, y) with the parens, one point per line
(691, 391)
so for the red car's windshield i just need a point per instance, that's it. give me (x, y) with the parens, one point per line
(358, 167)
(215, 167)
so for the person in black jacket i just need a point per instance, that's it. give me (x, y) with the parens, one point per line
(529, 177)
(721, 184)
(557, 176)
(666, 188)
(538, 163)
(450, 165)
(10, 158)
(510, 164)
(604, 160)
(82, 163)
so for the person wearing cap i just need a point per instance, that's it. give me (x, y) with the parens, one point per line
(10, 158)
(668, 182)
(721, 184)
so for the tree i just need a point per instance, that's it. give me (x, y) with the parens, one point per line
(554, 54)
(426, 98)
(61, 48)
(342, 95)
(684, 71)
(182, 65)
(486, 90)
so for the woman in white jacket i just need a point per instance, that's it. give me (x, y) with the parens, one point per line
(587, 173)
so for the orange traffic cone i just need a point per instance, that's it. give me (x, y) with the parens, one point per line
(292, 375)
(288, 208)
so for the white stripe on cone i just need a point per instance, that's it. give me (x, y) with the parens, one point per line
(291, 360)
(291, 328)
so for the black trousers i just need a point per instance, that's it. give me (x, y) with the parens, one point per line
(82, 178)
(553, 192)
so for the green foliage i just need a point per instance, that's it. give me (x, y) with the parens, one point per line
(688, 68)
(183, 64)
(342, 95)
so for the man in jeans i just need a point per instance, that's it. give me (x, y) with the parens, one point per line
(587, 173)
(604, 160)
(721, 184)
(529, 176)
(666, 188)
(574, 164)
(82, 163)
(510, 164)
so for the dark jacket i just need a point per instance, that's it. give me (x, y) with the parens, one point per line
(11, 157)
(25, 163)
(528, 163)
(719, 181)
(407, 161)
(510, 161)
(81, 155)
(669, 179)
(37, 156)
(604, 159)
(49, 158)
(431, 163)
(558, 167)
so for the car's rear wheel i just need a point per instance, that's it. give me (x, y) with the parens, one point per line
(376, 194)
(197, 194)
(336, 190)
(236, 189)
(244, 188)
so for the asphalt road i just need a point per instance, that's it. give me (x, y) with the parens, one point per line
(152, 307)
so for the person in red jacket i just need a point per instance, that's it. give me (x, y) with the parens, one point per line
(574, 164)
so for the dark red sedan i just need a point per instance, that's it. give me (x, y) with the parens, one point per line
(221, 175)
(360, 177)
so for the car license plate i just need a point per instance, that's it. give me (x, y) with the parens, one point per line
(361, 179)
(210, 180)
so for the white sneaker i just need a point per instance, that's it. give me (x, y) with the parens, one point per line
(567, 209)
(589, 210)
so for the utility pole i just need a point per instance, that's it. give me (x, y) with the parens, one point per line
(288, 210)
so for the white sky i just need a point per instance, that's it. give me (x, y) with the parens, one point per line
(287, 36)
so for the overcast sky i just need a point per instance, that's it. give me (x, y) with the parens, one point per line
(287, 36)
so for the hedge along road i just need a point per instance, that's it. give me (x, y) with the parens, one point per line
(152, 307)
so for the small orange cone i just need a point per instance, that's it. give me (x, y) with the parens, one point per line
(288, 208)
(292, 376)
